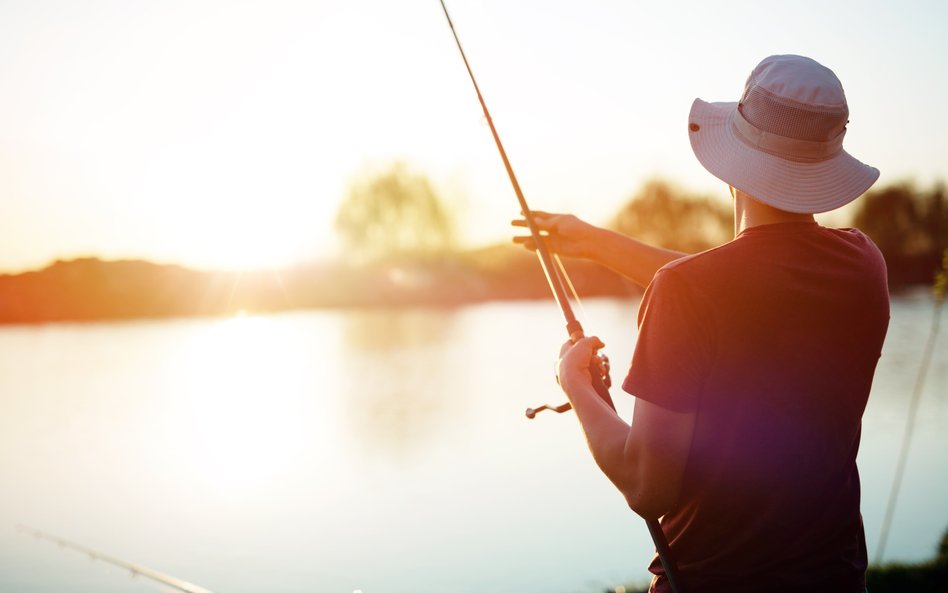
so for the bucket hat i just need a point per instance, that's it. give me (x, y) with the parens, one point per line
(783, 142)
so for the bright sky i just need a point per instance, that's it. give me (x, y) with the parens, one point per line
(225, 132)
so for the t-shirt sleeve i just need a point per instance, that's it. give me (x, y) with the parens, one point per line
(674, 350)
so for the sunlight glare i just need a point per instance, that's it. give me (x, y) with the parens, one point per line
(242, 423)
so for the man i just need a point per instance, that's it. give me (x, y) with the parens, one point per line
(754, 360)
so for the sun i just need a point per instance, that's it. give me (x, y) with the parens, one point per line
(261, 234)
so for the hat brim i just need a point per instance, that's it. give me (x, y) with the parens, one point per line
(804, 187)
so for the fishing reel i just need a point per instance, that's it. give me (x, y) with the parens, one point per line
(601, 381)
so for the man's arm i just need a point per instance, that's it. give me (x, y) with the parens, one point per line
(646, 460)
(569, 236)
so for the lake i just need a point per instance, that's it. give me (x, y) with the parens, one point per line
(372, 451)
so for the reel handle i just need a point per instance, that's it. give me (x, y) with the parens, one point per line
(601, 382)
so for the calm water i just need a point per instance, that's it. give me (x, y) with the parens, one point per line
(381, 452)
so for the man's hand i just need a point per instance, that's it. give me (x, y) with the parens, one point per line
(563, 233)
(575, 362)
(571, 237)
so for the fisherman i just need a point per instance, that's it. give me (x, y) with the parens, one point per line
(754, 360)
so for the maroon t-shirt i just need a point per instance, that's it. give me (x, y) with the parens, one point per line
(772, 340)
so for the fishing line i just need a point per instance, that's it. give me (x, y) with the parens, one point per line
(564, 278)
(913, 410)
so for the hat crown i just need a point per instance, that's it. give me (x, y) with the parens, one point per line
(795, 97)
(783, 143)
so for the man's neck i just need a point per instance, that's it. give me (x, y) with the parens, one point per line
(748, 213)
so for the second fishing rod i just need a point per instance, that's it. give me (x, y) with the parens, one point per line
(558, 280)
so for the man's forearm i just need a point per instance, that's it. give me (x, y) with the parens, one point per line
(607, 437)
(646, 460)
(629, 257)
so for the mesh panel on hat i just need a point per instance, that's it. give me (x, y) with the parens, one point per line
(791, 119)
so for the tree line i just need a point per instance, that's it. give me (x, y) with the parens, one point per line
(402, 250)
(397, 213)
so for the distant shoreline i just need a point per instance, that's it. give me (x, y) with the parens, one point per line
(91, 289)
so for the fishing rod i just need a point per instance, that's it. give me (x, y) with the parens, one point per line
(134, 569)
(557, 279)
(555, 274)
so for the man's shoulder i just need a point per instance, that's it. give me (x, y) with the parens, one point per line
(856, 238)
(698, 277)
(710, 260)
(756, 244)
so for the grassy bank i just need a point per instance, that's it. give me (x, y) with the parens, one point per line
(930, 576)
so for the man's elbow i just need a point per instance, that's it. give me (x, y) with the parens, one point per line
(647, 490)
(649, 502)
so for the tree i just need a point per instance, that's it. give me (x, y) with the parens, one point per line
(910, 227)
(660, 214)
(394, 213)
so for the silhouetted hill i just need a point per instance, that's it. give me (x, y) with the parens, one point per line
(92, 289)
(89, 288)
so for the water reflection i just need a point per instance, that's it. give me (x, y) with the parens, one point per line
(239, 403)
(400, 384)
(374, 450)
(386, 330)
